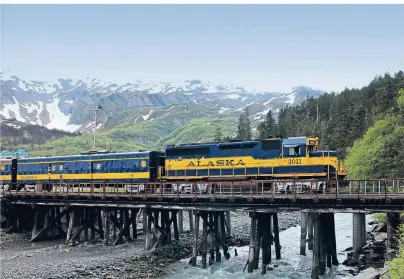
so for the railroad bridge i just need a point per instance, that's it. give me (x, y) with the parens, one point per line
(112, 211)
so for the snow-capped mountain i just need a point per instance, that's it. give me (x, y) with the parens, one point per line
(65, 104)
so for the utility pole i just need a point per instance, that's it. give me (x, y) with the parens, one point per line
(96, 109)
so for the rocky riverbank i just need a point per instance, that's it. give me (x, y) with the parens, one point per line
(52, 259)
(372, 257)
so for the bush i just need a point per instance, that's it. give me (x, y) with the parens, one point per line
(396, 266)
(380, 217)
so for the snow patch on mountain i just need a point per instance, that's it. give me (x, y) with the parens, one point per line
(12, 110)
(145, 117)
(14, 125)
(57, 119)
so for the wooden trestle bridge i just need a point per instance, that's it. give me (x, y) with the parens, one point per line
(100, 207)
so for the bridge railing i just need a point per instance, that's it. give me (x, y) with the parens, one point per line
(217, 189)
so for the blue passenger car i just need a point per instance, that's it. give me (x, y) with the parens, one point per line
(109, 167)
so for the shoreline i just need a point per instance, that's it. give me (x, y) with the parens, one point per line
(373, 254)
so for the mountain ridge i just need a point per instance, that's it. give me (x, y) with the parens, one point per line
(66, 104)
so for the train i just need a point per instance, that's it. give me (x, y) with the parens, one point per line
(280, 159)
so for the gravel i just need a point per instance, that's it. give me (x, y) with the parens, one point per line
(52, 259)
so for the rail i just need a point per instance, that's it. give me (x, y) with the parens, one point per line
(317, 189)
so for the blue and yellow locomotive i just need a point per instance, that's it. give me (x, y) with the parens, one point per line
(274, 158)
(268, 159)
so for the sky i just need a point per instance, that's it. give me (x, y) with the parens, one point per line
(265, 47)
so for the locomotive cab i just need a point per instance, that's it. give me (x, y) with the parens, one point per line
(299, 146)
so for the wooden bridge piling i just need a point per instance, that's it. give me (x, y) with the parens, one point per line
(191, 220)
(276, 236)
(316, 246)
(211, 238)
(223, 237)
(107, 226)
(204, 247)
(303, 231)
(322, 244)
(216, 238)
(266, 242)
(333, 240)
(228, 223)
(253, 235)
(196, 232)
(257, 245)
(180, 221)
(310, 231)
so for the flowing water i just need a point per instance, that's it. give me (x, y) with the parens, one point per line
(291, 266)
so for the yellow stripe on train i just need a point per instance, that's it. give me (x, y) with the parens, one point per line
(247, 162)
(317, 174)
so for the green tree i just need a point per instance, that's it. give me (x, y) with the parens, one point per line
(244, 131)
(218, 134)
(248, 130)
(396, 266)
(268, 127)
(380, 152)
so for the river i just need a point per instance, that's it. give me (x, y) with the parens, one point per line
(291, 266)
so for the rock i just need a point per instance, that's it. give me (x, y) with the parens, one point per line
(379, 228)
(351, 271)
(369, 273)
(350, 262)
(381, 236)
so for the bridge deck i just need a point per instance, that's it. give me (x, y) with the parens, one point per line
(375, 195)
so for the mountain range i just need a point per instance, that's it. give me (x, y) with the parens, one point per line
(147, 113)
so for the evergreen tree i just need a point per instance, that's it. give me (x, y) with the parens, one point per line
(262, 132)
(248, 130)
(218, 134)
(268, 127)
(244, 126)
(340, 119)
(271, 124)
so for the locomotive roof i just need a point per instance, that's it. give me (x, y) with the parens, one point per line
(293, 141)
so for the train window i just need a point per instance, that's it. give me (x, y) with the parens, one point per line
(97, 166)
(53, 168)
(61, 167)
(294, 151)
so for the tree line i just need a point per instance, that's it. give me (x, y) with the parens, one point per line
(337, 119)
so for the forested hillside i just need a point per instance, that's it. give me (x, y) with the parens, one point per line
(14, 133)
(380, 152)
(340, 119)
